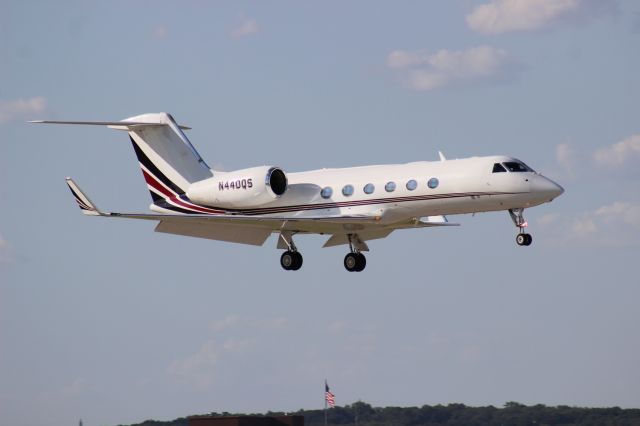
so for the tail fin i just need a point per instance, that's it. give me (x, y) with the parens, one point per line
(168, 161)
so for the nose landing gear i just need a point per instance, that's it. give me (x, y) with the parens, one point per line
(523, 239)
(517, 216)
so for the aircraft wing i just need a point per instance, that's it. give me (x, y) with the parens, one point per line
(255, 230)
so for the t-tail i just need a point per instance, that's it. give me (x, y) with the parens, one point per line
(168, 161)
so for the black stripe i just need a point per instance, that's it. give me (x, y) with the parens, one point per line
(81, 203)
(73, 192)
(145, 161)
(304, 207)
(165, 205)
(156, 198)
(339, 204)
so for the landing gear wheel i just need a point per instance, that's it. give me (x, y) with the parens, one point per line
(297, 261)
(291, 260)
(355, 262)
(362, 262)
(351, 262)
(286, 260)
(524, 239)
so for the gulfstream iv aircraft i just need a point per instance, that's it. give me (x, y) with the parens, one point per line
(352, 205)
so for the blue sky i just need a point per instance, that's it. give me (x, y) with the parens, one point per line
(110, 322)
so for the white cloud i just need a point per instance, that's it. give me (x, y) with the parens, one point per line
(160, 32)
(238, 345)
(566, 158)
(21, 108)
(427, 71)
(198, 368)
(502, 16)
(615, 224)
(622, 153)
(238, 334)
(5, 250)
(226, 322)
(235, 321)
(621, 213)
(75, 388)
(247, 28)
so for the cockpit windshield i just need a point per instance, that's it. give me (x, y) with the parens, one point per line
(517, 166)
(499, 168)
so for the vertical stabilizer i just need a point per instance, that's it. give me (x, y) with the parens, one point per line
(168, 161)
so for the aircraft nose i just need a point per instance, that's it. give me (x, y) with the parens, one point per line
(545, 186)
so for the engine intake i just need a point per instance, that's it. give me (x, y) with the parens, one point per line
(277, 181)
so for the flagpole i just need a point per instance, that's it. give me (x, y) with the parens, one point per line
(325, 402)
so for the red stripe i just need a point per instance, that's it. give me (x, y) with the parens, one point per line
(171, 197)
(151, 181)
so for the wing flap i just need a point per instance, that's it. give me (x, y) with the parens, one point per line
(425, 222)
(373, 234)
(241, 234)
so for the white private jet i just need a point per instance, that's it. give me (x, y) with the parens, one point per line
(353, 205)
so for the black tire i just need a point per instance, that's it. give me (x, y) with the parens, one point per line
(351, 262)
(297, 261)
(287, 260)
(362, 262)
(528, 239)
(521, 239)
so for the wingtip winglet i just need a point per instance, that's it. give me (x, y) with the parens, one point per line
(83, 201)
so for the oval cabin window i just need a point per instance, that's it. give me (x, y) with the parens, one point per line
(347, 191)
(326, 192)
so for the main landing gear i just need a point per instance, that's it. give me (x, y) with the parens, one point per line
(517, 215)
(291, 260)
(355, 260)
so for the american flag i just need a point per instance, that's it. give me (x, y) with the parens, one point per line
(328, 396)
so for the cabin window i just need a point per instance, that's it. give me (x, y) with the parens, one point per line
(433, 183)
(515, 166)
(412, 184)
(369, 188)
(498, 168)
(326, 192)
(347, 190)
(390, 187)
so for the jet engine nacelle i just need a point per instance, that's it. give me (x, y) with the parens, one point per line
(245, 188)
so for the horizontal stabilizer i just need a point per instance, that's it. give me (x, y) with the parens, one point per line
(121, 125)
(83, 201)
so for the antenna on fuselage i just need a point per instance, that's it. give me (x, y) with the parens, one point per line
(442, 157)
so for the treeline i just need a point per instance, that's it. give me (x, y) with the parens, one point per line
(512, 414)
